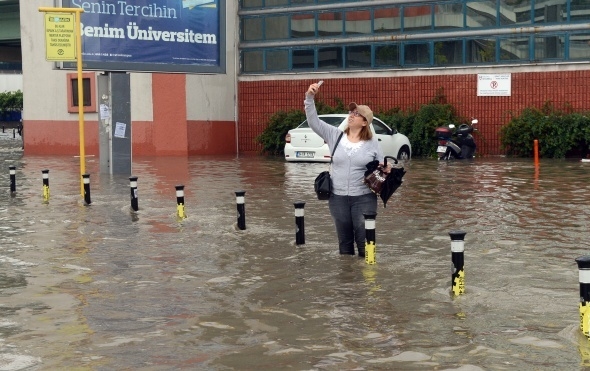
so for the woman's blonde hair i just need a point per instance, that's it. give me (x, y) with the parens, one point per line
(365, 134)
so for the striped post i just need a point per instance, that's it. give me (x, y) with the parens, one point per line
(45, 185)
(240, 202)
(458, 274)
(86, 181)
(370, 247)
(12, 172)
(584, 278)
(133, 187)
(180, 201)
(299, 222)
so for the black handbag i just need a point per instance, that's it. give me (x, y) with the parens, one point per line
(375, 176)
(323, 183)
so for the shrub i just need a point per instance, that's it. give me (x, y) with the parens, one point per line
(559, 132)
(11, 101)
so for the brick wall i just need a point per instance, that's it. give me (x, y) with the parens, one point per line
(258, 100)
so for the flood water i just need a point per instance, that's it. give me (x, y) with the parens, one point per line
(101, 287)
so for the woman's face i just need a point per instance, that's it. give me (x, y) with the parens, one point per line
(355, 120)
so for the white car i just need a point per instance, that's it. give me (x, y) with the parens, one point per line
(302, 144)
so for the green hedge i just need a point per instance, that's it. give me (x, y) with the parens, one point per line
(11, 101)
(11, 105)
(559, 131)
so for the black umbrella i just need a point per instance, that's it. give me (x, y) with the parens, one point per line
(391, 181)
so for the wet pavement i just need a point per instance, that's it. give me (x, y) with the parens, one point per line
(101, 287)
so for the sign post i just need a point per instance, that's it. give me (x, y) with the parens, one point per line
(63, 42)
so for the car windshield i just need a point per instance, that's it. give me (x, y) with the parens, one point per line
(334, 121)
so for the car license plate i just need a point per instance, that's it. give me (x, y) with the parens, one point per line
(305, 154)
(440, 149)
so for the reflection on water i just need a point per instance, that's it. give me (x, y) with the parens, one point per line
(102, 287)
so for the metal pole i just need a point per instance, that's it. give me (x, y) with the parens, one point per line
(300, 223)
(133, 186)
(12, 172)
(180, 201)
(458, 274)
(240, 200)
(86, 182)
(370, 247)
(584, 307)
(45, 185)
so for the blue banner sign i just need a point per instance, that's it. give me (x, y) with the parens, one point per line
(152, 35)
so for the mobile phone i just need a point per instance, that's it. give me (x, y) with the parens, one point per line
(320, 82)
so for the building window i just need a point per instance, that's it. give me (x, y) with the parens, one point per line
(514, 49)
(387, 55)
(88, 91)
(302, 25)
(579, 46)
(330, 24)
(480, 51)
(417, 18)
(387, 20)
(252, 29)
(303, 59)
(252, 61)
(358, 22)
(448, 15)
(277, 60)
(550, 11)
(358, 56)
(416, 54)
(481, 14)
(549, 47)
(276, 27)
(448, 53)
(330, 58)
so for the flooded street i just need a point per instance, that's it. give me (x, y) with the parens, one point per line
(101, 287)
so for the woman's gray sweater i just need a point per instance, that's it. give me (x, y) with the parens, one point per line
(347, 172)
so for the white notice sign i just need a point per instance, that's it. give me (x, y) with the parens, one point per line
(105, 112)
(494, 85)
(120, 130)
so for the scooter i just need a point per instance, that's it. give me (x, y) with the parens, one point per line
(458, 143)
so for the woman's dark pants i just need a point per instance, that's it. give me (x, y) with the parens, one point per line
(347, 212)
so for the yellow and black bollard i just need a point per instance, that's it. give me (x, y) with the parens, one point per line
(299, 222)
(86, 180)
(584, 278)
(240, 200)
(45, 185)
(180, 201)
(457, 250)
(12, 172)
(133, 187)
(370, 247)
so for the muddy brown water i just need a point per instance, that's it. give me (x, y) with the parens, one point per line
(101, 287)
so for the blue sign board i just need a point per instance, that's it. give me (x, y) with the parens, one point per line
(152, 35)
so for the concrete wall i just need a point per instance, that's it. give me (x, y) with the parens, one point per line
(10, 82)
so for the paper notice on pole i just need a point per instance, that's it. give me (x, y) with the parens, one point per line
(120, 130)
(105, 112)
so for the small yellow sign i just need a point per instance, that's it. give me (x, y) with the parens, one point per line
(60, 36)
